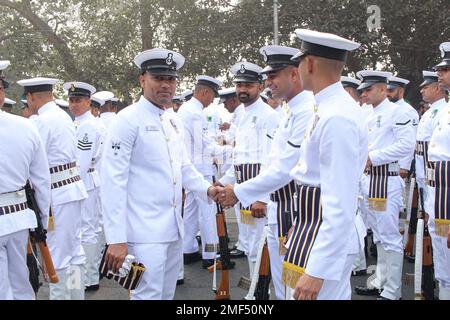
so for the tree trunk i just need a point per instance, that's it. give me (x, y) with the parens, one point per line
(24, 9)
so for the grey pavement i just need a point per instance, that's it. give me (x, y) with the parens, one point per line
(198, 282)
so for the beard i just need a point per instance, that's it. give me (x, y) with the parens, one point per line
(246, 98)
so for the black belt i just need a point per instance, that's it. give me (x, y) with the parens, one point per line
(13, 208)
(65, 182)
(63, 167)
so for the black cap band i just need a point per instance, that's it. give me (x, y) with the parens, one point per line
(245, 75)
(95, 104)
(313, 49)
(39, 88)
(160, 66)
(346, 84)
(396, 84)
(210, 84)
(79, 92)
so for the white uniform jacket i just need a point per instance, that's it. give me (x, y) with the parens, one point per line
(201, 147)
(144, 167)
(57, 132)
(285, 152)
(90, 142)
(23, 158)
(254, 135)
(333, 156)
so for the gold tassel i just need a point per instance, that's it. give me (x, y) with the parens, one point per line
(441, 227)
(281, 248)
(377, 204)
(291, 274)
(51, 221)
(246, 217)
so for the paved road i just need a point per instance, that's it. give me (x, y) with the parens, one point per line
(198, 282)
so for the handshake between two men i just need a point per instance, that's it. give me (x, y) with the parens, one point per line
(226, 197)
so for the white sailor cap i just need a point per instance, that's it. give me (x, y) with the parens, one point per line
(278, 57)
(371, 77)
(445, 54)
(37, 84)
(187, 94)
(396, 82)
(177, 99)
(429, 77)
(211, 82)
(226, 94)
(9, 103)
(4, 64)
(23, 105)
(106, 96)
(97, 102)
(79, 89)
(246, 72)
(266, 94)
(62, 103)
(160, 61)
(325, 45)
(350, 82)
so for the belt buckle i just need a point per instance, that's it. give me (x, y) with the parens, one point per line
(19, 194)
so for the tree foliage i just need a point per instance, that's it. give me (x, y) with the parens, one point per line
(96, 40)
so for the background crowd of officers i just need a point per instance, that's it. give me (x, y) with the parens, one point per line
(145, 180)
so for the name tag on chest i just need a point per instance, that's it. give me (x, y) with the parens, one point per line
(151, 128)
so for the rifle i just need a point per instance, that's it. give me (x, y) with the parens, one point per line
(33, 267)
(412, 212)
(39, 235)
(223, 292)
(427, 258)
(258, 285)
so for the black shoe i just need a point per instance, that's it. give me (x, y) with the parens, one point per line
(364, 291)
(180, 282)
(236, 253)
(189, 258)
(206, 263)
(94, 287)
(359, 273)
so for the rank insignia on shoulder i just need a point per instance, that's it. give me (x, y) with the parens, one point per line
(174, 125)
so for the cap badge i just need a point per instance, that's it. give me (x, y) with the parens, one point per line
(72, 88)
(242, 69)
(265, 56)
(169, 59)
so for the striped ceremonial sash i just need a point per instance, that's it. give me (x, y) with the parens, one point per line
(285, 198)
(422, 150)
(378, 187)
(430, 175)
(304, 235)
(441, 198)
(130, 281)
(243, 173)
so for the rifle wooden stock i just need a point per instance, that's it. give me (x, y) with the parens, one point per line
(262, 288)
(48, 262)
(223, 292)
(39, 235)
